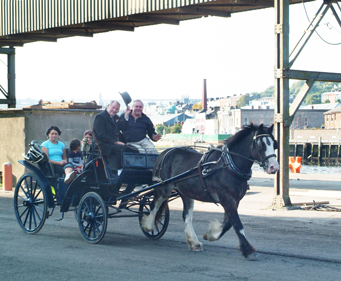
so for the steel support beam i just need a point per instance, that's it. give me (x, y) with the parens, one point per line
(11, 79)
(283, 114)
(10, 94)
(299, 98)
(309, 31)
(203, 12)
(104, 25)
(31, 37)
(7, 51)
(282, 124)
(335, 13)
(153, 18)
(316, 75)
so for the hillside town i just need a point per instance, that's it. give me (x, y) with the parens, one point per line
(222, 116)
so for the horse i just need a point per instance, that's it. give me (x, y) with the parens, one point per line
(219, 176)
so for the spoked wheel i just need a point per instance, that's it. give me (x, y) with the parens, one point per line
(92, 217)
(30, 203)
(161, 220)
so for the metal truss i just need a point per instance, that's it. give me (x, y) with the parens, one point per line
(284, 114)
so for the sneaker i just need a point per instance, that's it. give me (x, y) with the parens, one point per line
(70, 177)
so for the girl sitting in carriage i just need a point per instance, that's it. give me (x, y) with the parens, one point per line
(75, 156)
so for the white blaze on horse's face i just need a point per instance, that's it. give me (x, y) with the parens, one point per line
(273, 165)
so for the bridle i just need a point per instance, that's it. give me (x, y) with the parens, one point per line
(264, 161)
(229, 164)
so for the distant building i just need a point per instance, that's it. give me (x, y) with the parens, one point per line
(154, 109)
(172, 109)
(229, 101)
(231, 120)
(188, 127)
(185, 99)
(100, 100)
(263, 101)
(331, 96)
(201, 125)
(332, 118)
(200, 119)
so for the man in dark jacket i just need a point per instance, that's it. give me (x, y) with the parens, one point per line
(135, 125)
(106, 131)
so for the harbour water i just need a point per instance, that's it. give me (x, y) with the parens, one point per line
(312, 169)
(315, 169)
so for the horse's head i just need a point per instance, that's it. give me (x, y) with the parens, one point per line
(263, 149)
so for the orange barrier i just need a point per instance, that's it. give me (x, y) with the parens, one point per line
(7, 177)
(295, 164)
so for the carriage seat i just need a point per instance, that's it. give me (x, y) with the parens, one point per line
(138, 160)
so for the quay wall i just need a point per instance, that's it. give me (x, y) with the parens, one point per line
(315, 146)
(311, 135)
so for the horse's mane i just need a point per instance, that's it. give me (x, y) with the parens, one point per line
(243, 132)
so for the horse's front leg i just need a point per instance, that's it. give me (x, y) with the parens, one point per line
(187, 215)
(247, 250)
(230, 206)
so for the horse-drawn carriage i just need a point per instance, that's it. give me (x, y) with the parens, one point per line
(92, 195)
(219, 176)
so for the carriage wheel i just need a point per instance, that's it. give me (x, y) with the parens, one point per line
(92, 217)
(30, 203)
(161, 220)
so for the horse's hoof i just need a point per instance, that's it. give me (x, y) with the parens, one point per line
(205, 236)
(196, 248)
(253, 257)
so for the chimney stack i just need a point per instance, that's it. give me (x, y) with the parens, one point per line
(204, 98)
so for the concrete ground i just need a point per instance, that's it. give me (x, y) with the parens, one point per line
(298, 233)
(292, 232)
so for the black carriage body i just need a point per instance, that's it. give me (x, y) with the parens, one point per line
(137, 170)
(41, 189)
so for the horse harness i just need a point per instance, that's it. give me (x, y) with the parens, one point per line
(205, 169)
(229, 163)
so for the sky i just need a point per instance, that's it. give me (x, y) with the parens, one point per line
(235, 55)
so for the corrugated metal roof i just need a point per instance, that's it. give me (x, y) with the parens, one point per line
(27, 21)
(325, 106)
(334, 110)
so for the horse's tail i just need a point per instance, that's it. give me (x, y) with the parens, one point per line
(164, 158)
(159, 163)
